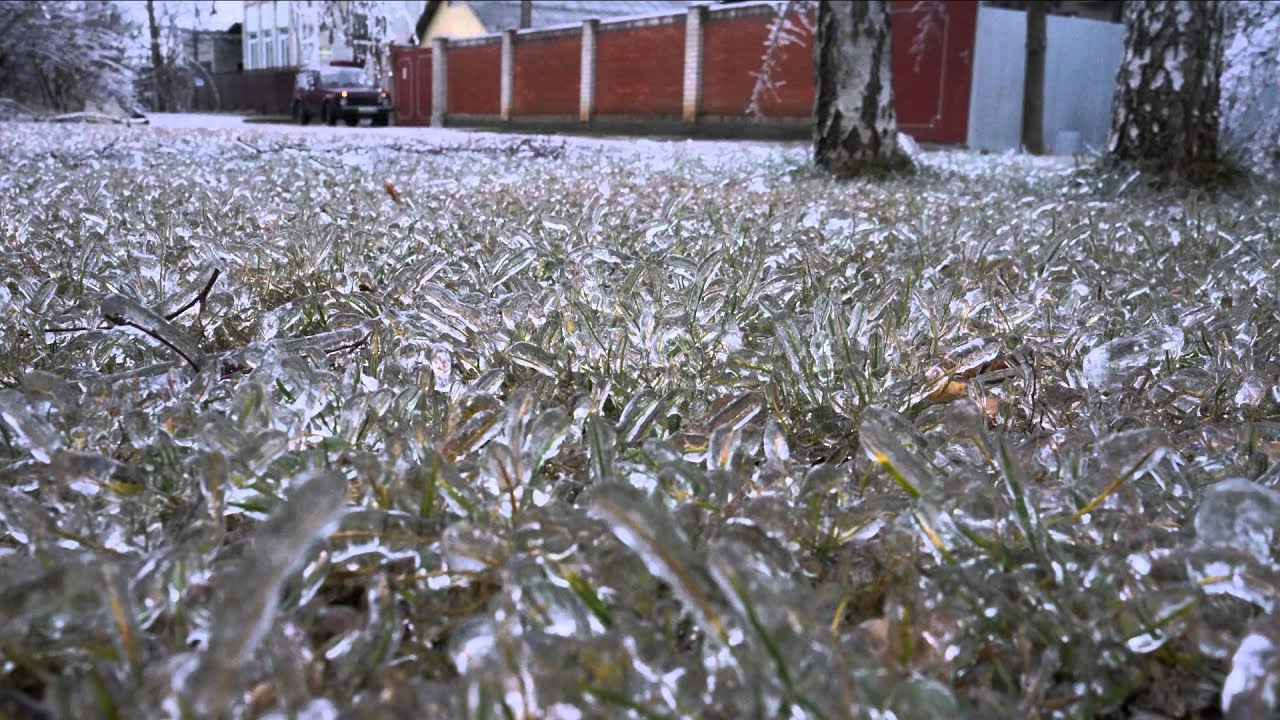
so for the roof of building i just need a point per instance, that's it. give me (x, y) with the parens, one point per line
(499, 15)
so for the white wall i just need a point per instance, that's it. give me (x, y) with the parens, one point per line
(1080, 67)
(268, 35)
(279, 33)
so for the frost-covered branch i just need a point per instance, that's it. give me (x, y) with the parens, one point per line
(792, 24)
(930, 23)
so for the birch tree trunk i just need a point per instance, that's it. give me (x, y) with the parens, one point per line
(1165, 114)
(856, 129)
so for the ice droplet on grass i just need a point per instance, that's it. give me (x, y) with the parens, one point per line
(33, 432)
(1251, 687)
(1110, 364)
(1162, 619)
(775, 442)
(1236, 529)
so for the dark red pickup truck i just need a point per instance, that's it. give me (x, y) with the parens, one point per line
(333, 93)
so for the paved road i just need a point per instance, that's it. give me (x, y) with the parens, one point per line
(461, 137)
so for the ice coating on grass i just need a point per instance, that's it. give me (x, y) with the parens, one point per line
(891, 441)
(1253, 684)
(1236, 530)
(540, 321)
(310, 512)
(28, 429)
(1112, 363)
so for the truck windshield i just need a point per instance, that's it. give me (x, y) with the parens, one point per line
(345, 77)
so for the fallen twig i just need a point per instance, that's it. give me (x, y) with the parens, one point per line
(204, 295)
(93, 117)
(120, 310)
(10, 102)
(351, 346)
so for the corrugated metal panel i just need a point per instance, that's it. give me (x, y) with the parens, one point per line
(1080, 74)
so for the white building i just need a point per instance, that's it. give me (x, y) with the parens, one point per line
(293, 33)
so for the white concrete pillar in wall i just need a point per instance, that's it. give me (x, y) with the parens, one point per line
(507, 86)
(587, 77)
(692, 101)
(439, 81)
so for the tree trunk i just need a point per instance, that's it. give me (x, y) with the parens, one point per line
(1165, 114)
(159, 78)
(856, 130)
(1033, 81)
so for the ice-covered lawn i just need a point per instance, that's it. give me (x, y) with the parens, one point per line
(296, 420)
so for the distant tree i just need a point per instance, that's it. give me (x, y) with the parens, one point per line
(855, 129)
(1165, 116)
(367, 27)
(1033, 80)
(65, 55)
(160, 90)
(167, 79)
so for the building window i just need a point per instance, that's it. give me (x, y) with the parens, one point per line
(359, 37)
(268, 49)
(284, 47)
(251, 54)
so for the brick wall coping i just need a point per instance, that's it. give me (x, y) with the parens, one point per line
(638, 21)
(626, 22)
(746, 9)
(550, 31)
(476, 41)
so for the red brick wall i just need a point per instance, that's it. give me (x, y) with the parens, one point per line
(547, 75)
(640, 71)
(475, 79)
(731, 52)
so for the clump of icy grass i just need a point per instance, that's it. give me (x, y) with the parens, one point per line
(464, 426)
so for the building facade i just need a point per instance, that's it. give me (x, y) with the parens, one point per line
(295, 33)
(215, 51)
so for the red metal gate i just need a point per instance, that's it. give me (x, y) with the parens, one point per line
(933, 68)
(413, 85)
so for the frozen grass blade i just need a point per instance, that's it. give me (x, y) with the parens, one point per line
(601, 444)
(1112, 486)
(252, 592)
(1016, 483)
(649, 533)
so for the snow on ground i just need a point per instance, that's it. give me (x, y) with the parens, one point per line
(369, 135)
